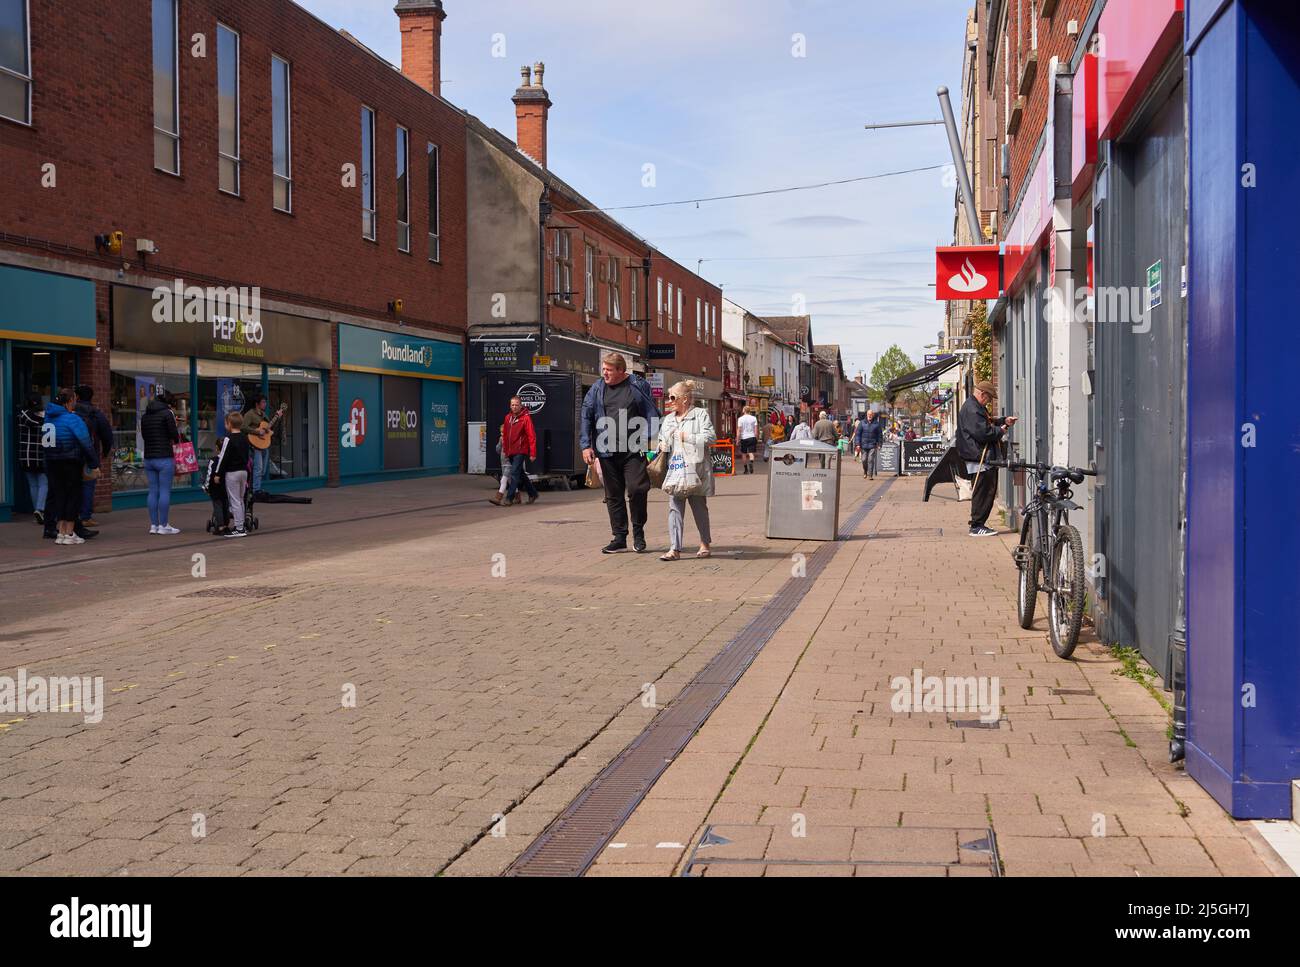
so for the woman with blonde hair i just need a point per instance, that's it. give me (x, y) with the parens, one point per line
(686, 434)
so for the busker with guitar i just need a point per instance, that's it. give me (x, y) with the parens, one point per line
(259, 430)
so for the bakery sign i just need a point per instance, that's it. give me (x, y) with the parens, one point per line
(967, 272)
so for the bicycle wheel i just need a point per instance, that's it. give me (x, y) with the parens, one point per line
(1065, 603)
(1027, 561)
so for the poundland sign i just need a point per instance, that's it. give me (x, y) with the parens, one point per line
(376, 351)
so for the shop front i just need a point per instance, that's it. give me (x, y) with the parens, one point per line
(46, 322)
(399, 405)
(213, 358)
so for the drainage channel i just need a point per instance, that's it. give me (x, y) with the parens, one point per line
(573, 840)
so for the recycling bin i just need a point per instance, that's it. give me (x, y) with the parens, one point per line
(803, 491)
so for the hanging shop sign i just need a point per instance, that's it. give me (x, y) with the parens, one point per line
(661, 350)
(967, 272)
(215, 324)
(501, 355)
(46, 307)
(767, 381)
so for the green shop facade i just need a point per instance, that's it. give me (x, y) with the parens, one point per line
(397, 396)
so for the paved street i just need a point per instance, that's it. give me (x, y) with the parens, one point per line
(479, 697)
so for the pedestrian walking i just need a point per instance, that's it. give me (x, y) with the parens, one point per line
(801, 432)
(686, 434)
(977, 434)
(232, 470)
(747, 430)
(159, 432)
(101, 431)
(518, 444)
(31, 455)
(867, 439)
(824, 430)
(619, 419)
(775, 435)
(69, 452)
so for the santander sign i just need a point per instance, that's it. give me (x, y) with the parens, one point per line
(967, 272)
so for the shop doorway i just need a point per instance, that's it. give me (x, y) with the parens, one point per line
(43, 371)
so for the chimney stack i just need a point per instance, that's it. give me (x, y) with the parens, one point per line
(532, 108)
(421, 24)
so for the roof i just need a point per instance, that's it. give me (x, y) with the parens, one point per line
(790, 328)
(548, 178)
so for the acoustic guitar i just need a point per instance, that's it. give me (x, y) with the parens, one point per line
(261, 438)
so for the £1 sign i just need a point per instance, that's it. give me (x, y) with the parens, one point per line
(967, 272)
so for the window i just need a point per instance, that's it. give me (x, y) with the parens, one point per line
(659, 302)
(615, 282)
(166, 89)
(228, 109)
(435, 214)
(15, 62)
(680, 313)
(563, 266)
(633, 287)
(670, 307)
(589, 298)
(699, 322)
(403, 192)
(368, 217)
(281, 144)
(713, 313)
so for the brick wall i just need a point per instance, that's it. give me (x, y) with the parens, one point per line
(93, 118)
(1014, 45)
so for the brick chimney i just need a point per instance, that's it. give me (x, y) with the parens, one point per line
(421, 24)
(532, 106)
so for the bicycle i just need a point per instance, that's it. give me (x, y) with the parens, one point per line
(1050, 553)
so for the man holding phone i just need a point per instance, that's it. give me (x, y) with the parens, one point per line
(977, 434)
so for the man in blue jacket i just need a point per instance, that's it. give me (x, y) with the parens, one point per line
(867, 439)
(619, 421)
(68, 450)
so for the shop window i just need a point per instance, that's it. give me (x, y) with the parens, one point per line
(223, 388)
(134, 380)
(296, 440)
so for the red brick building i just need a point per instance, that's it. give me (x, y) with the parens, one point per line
(236, 144)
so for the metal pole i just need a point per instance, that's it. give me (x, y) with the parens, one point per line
(958, 159)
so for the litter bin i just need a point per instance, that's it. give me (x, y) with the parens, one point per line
(803, 491)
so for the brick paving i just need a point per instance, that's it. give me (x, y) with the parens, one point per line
(476, 696)
(807, 763)
(482, 697)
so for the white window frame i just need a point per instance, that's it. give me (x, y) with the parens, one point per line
(368, 164)
(435, 200)
(659, 300)
(680, 313)
(670, 307)
(699, 320)
(615, 289)
(25, 78)
(221, 155)
(633, 290)
(287, 177)
(590, 297)
(176, 87)
(402, 152)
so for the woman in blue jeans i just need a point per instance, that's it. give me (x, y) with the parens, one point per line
(158, 429)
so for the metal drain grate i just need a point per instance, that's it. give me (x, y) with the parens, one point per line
(975, 724)
(866, 850)
(253, 592)
(1071, 691)
(571, 843)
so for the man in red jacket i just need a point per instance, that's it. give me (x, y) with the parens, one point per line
(518, 443)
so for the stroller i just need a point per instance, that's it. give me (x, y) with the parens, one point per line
(221, 520)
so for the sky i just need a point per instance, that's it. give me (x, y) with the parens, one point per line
(722, 97)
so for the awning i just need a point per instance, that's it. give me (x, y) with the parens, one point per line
(921, 376)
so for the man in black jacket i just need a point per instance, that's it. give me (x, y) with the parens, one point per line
(977, 439)
(101, 432)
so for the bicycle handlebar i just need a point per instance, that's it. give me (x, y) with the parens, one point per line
(1076, 474)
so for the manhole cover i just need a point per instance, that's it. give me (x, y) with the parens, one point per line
(866, 850)
(253, 592)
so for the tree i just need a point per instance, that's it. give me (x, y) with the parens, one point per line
(981, 340)
(893, 364)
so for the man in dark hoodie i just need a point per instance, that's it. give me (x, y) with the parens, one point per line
(102, 433)
(977, 437)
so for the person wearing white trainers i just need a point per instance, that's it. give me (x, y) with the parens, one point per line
(68, 450)
(977, 434)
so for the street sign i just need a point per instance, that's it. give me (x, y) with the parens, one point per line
(541, 364)
(1155, 284)
(661, 350)
(932, 358)
(767, 381)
